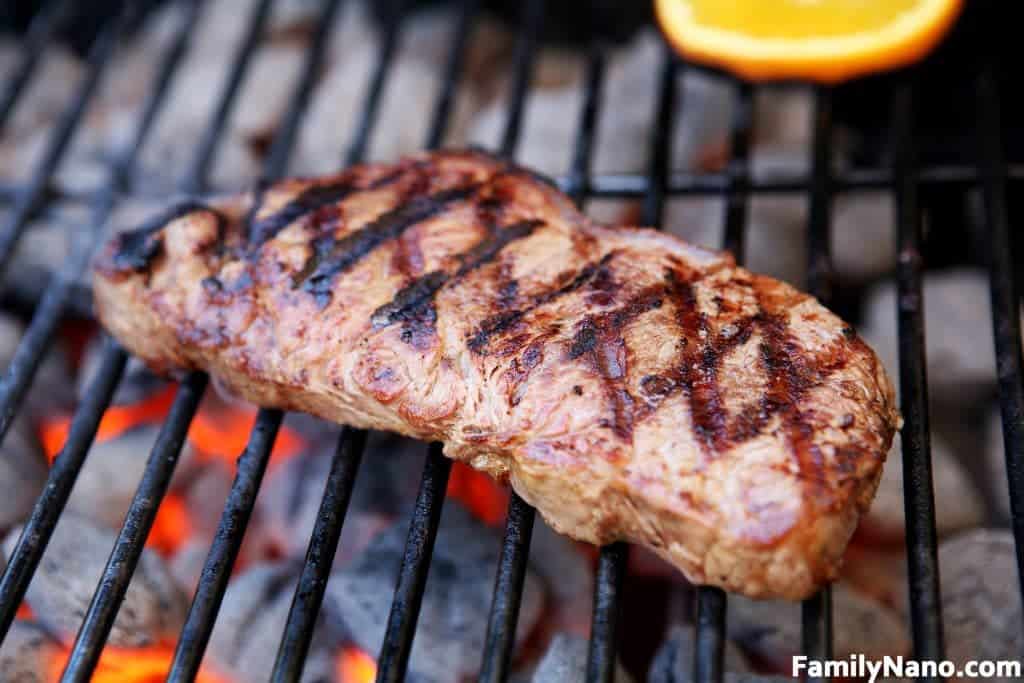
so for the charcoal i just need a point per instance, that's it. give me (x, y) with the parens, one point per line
(137, 384)
(245, 638)
(770, 629)
(565, 661)
(552, 115)
(981, 602)
(23, 472)
(112, 471)
(453, 616)
(555, 557)
(290, 500)
(49, 391)
(29, 654)
(951, 482)
(62, 587)
(674, 663)
(863, 224)
(995, 465)
(957, 308)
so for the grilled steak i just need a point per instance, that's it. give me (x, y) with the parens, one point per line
(629, 385)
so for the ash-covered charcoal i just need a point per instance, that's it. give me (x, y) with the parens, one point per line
(958, 315)
(248, 630)
(565, 661)
(877, 571)
(770, 629)
(673, 663)
(453, 616)
(995, 465)
(23, 472)
(50, 389)
(290, 501)
(137, 384)
(62, 587)
(112, 471)
(552, 114)
(42, 101)
(29, 654)
(951, 482)
(863, 224)
(401, 124)
(555, 557)
(981, 603)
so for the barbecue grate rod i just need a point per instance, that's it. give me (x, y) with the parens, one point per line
(991, 173)
(1005, 294)
(919, 495)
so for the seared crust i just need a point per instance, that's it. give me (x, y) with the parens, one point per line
(629, 385)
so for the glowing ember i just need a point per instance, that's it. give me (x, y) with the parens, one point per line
(222, 433)
(485, 498)
(171, 527)
(24, 612)
(135, 665)
(53, 431)
(355, 666)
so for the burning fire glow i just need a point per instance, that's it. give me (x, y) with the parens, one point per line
(484, 497)
(218, 432)
(355, 666)
(134, 665)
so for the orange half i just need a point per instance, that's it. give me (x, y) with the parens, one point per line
(820, 40)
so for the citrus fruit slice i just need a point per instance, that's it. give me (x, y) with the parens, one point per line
(820, 40)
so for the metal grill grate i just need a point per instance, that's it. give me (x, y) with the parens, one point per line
(904, 177)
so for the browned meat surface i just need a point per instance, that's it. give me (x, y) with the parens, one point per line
(629, 385)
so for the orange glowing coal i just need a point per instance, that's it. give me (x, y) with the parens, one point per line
(217, 431)
(135, 665)
(355, 666)
(172, 527)
(484, 497)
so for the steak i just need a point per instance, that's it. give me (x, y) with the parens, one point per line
(628, 384)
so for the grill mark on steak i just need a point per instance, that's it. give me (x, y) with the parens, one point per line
(420, 293)
(496, 325)
(135, 250)
(333, 257)
(600, 338)
(310, 201)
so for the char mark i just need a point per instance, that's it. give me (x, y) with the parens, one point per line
(333, 257)
(599, 338)
(135, 250)
(496, 325)
(410, 301)
(310, 200)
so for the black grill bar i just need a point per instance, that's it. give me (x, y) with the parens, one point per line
(1005, 298)
(919, 496)
(385, 56)
(309, 593)
(195, 179)
(213, 581)
(40, 33)
(412, 576)
(508, 591)
(452, 74)
(687, 184)
(604, 625)
(48, 508)
(515, 547)
(709, 644)
(99, 618)
(611, 568)
(816, 612)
